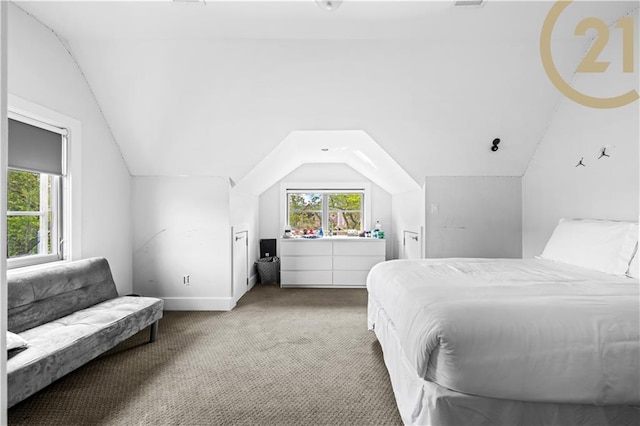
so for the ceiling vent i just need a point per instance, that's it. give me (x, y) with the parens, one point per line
(469, 2)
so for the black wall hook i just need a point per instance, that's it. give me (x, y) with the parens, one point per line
(604, 153)
(495, 143)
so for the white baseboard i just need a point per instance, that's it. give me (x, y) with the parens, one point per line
(198, 303)
(253, 280)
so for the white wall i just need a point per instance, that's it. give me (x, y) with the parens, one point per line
(270, 208)
(553, 187)
(407, 214)
(473, 217)
(244, 213)
(181, 227)
(42, 71)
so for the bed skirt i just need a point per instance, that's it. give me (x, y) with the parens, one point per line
(421, 402)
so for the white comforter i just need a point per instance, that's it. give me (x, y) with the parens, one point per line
(530, 330)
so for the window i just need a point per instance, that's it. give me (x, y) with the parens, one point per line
(34, 194)
(337, 212)
(32, 214)
(305, 211)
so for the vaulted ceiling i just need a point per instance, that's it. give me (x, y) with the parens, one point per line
(213, 89)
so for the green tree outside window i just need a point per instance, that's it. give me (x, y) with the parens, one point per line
(24, 213)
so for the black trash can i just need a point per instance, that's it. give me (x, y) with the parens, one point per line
(269, 269)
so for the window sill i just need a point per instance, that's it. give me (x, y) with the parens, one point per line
(34, 267)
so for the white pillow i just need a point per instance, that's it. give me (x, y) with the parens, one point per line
(15, 342)
(601, 245)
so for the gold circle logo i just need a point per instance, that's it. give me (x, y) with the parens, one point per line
(590, 62)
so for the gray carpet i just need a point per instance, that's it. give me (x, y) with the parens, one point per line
(281, 357)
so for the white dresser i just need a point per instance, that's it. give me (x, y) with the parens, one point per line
(328, 262)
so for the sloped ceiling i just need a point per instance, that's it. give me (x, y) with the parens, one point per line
(213, 89)
(354, 148)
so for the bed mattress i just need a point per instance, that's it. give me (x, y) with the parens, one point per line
(528, 330)
(422, 402)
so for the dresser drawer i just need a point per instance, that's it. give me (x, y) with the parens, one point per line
(305, 248)
(355, 263)
(306, 263)
(305, 278)
(358, 278)
(360, 248)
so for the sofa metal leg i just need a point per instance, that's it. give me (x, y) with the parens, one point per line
(154, 332)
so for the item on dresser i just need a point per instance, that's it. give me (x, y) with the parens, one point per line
(377, 229)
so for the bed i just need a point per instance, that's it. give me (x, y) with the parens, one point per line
(552, 340)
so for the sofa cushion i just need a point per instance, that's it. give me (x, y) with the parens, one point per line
(45, 294)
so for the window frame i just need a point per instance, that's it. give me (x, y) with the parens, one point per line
(69, 196)
(325, 188)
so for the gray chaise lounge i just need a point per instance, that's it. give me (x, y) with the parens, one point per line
(68, 314)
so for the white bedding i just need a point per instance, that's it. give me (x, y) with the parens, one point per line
(527, 330)
(421, 402)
